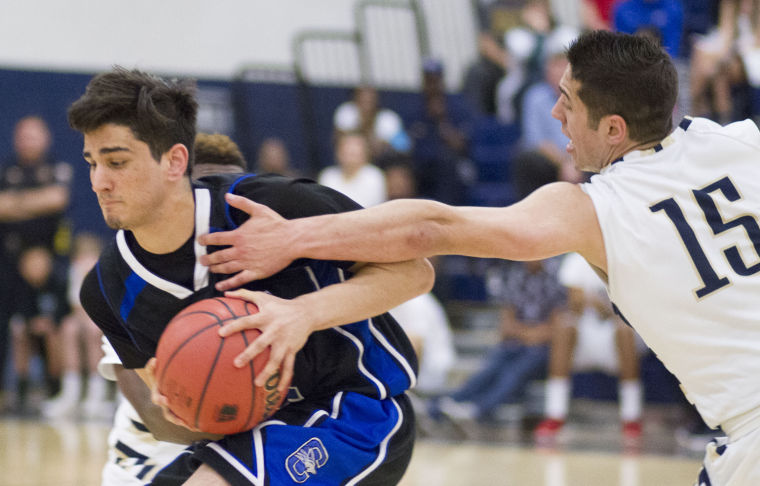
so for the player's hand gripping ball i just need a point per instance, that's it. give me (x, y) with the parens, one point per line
(195, 373)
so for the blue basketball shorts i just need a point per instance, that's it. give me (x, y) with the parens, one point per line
(348, 439)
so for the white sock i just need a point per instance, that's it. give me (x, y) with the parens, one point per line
(631, 395)
(71, 385)
(557, 400)
(96, 388)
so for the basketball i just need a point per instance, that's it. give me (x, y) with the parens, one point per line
(194, 369)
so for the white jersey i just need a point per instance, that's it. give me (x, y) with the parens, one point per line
(134, 455)
(681, 230)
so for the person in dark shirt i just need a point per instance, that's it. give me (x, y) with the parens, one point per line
(347, 416)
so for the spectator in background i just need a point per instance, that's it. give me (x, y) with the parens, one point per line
(661, 18)
(524, 45)
(440, 135)
(41, 303)
(494, 17)
(726, 62)
(543, 142)
(593, 339)
(382, 127)
(34, 196)
(273, 158)
(79, 341)
(533, 303)
(423, 318)
(582, 14)
(354, 174)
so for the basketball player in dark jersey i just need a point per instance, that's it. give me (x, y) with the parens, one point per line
(347, 420)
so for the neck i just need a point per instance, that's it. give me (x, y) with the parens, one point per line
(631, 146)
(172, 225)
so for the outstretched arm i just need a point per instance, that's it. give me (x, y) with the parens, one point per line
(555, 219)
(285, 325)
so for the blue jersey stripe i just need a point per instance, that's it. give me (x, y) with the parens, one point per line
(134, 284)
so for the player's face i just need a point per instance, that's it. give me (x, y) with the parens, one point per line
(124, 175)
(587, 144)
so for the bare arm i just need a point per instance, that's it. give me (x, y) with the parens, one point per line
(139, 395)
(16, 205)
(555, 219)
(287, 324)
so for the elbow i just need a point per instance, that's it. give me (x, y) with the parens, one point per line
(426, 276)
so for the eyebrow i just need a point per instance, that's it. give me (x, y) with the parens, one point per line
(106, 150)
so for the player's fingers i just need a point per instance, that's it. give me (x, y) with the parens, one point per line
(237, 280)
(249, 353)
(220, 256)
(242, 203)
(270, 369)
(286, 374)
(240, 324)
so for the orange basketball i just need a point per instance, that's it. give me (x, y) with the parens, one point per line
(195, 372)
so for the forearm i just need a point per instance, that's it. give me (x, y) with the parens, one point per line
(138, 394)
(391, 232)
(373, 290)
(31, 203)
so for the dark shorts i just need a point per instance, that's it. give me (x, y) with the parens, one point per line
(348, 439)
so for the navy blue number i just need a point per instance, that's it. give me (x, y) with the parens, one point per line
(710, 279)
(718, 226)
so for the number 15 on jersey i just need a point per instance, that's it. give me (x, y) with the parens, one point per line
(711, 281)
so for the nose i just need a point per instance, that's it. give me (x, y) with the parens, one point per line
(557, 111)
(99, 179)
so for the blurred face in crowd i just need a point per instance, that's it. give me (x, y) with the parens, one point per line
(352, 152)
(31, 139)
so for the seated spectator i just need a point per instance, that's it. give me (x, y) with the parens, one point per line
(440, 135)
(382, 127)
(661, 18)
(523, 44)
(354, 175)
(593, 339)
(726, 62)
(273, 157)
(80, 345)
(533, 303)
(542, 135)
(42, 303)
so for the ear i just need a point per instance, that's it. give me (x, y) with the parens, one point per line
(616, 129)
(177, 156)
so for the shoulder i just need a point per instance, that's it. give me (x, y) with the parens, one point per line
(293, 198)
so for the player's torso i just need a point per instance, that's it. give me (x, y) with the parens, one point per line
(682, 236)
(146, 301)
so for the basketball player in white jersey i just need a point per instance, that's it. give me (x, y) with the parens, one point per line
(670, 222)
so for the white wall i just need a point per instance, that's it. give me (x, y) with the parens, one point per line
(210, 38)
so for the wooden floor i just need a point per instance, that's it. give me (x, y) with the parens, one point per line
(35, 453)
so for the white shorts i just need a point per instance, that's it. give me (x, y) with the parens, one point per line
(134, 456)
(732, 463)
(595, 347)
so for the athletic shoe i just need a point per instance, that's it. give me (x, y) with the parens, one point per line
(545, 434)
(632, 435)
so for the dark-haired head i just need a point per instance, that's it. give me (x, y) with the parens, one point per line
(626, 75)
(159, 112)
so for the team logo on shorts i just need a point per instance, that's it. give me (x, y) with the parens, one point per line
(304, 462)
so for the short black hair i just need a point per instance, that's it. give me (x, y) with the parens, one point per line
(159, 112)
(627, 75)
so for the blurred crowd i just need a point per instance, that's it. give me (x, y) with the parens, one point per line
(493, 142)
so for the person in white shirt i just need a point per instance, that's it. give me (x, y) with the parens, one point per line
(671, 222)
(354, 174)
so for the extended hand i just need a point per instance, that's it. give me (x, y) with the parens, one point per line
(257, 249)
(158, 399)
(285, 326)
